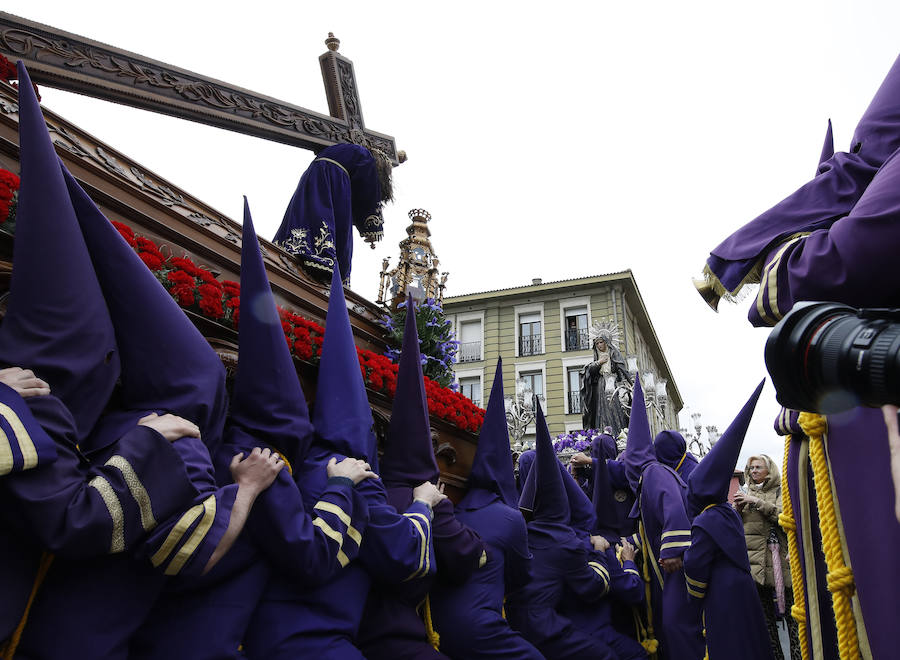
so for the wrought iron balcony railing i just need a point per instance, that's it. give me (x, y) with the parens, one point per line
(530, 345)
(469, 351)
(577, 340)
(574, 403)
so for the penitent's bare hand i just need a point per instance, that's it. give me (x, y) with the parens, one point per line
(600, 543)
(672, 564)
(171, 427)
(24, 382)
(257, 471)
(626, 551)
(351, 468)
(428, 492)
(580, 459)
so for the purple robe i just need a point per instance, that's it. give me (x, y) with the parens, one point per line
(323, 622)
(623, 500)
(717, 572)
(338, 191)
(858, 452)
(79, 509)
(281, 538)
(469, 616)
(667, 532)
(122, 588)
(561, 568)
(391, 627)
(833, 193)
(626, 590)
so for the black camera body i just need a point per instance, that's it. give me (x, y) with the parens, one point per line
(827, 357)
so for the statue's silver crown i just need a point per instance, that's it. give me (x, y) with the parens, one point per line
(608, 330)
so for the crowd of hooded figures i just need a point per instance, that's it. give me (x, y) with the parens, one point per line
(147, 514)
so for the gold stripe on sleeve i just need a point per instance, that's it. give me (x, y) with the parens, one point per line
(6, 456)
(26, 446)
(631, 570)
(175, 535)
(352, 532)
(337, 537)
(674, 544)
(117, 543)
(423, 550)
(138, 492)
(187, 550)
(599, 568)
(695, 583)
(676, 532)
(695, 594)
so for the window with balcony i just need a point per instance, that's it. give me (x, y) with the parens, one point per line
(576, 329)
(530, 334)
(573, 376)
(471, 389)
(534, 380)
(469, 338)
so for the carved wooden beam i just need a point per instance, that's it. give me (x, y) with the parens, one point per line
(70, 62)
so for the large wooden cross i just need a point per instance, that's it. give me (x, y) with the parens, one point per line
(67, 61)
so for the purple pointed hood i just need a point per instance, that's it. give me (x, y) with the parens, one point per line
(408, 457)
(342, 416)
(639, 450)
(56, 323)
(827, 147)
(710, 479)
(545, 493)
(671, 449)
(492, 472)
(604, 446)
(267, 402)
(167, 365)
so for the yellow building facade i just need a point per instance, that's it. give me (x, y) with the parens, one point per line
(542, 333)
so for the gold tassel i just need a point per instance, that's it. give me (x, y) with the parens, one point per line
(433, 638)
(9, 649)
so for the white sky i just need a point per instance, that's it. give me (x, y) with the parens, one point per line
(550, 140)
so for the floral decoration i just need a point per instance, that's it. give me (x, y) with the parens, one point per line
(437, 342)
(196, 288)
(575, 441)
(9, 197)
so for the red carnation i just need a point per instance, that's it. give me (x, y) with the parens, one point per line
(150, 260)
(184, 294)
(180, 278)
(211, 305)
(231, 288)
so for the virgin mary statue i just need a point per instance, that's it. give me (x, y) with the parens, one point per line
(604, 383)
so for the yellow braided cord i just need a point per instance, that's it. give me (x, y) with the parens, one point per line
(648, 641)
(433, 638)
(8, 650)
(840, 577)
(786, 520)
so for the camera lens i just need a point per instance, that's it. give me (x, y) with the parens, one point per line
(828, 357)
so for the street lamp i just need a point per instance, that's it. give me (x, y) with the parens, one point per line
(520, 412)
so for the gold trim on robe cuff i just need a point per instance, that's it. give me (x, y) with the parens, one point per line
(695, 583)
(337, 537)
(6, 455)
(176, 534)
(26, 445)
(187, 550)
(111, 500)
(674, 544)
(676, 532)
(695, 594)
(138, 492)
(423, 551)
(330, 507)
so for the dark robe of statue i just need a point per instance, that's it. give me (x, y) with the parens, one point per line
(600, 407)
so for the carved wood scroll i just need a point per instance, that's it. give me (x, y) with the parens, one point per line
(67, 61)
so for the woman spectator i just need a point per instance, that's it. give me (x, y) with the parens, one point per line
(759, 503)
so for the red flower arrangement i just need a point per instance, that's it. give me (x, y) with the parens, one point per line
(196, 288)
(9, 196)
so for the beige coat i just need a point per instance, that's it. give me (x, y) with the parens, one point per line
(759, 520)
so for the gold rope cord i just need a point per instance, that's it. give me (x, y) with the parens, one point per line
(840, 576)
(786, 520)
(8, 650)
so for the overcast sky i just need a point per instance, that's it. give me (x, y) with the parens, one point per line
(551, 140)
